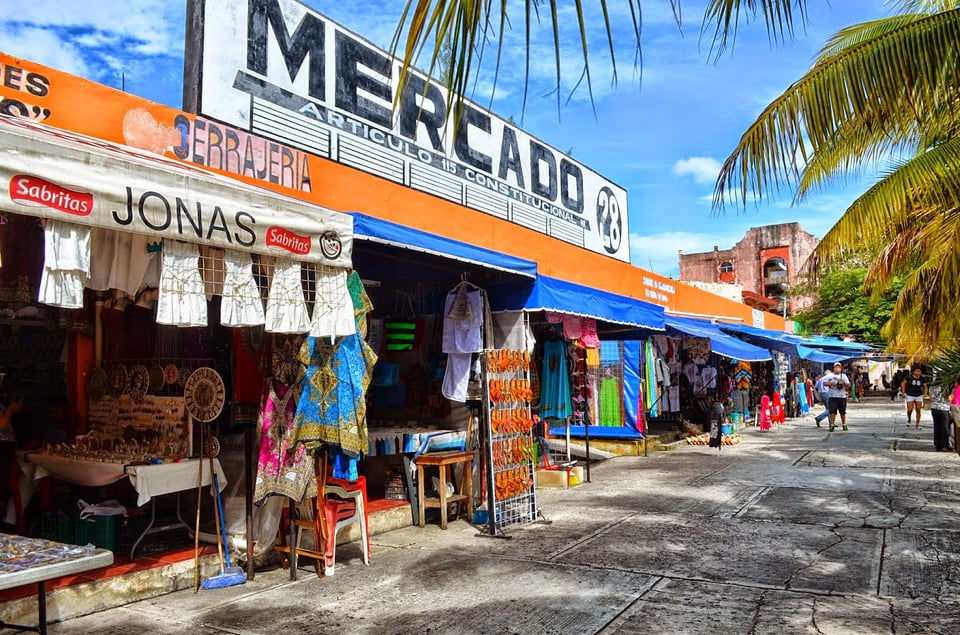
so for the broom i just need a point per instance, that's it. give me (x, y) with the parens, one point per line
(229, 575)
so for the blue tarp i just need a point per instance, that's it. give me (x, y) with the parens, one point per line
(720, 342)
(387, 233)
(552, 294)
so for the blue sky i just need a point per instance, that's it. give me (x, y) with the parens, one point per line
(661, 132)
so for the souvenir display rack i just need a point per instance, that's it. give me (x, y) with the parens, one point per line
(510, 455)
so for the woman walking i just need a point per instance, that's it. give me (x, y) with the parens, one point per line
(914, 387)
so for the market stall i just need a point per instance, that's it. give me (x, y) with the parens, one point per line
(151, 276)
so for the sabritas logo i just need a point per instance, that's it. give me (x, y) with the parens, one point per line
(286, 239)
(31, 190)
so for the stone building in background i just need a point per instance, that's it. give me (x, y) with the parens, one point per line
(765, 265)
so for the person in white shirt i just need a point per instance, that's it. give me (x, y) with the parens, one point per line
(837, 384)
(823, 397)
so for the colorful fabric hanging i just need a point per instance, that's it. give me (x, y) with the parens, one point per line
(555, 382)
(611, 409)
(332, 408)
(284, 468)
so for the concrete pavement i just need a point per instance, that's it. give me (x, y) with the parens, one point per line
(796, 530)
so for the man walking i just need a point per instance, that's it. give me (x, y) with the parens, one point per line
(824, 398)
(837, 384)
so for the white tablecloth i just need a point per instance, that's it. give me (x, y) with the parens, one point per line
(167, 478)
(149, 480)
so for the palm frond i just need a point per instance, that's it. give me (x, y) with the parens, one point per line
(907, 197)
(892, 81)
(723, 16)
(945, 367)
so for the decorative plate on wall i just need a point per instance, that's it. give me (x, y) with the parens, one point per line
(204, 394)
(118, 380)
(138, 382)
(170, 373)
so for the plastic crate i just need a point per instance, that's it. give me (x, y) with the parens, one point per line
(59, 527)
(100, 531)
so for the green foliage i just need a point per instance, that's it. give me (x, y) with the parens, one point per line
(946, 369)
(844, 307)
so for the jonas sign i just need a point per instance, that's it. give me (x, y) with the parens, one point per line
(281, 70)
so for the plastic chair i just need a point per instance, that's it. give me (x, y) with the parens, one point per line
(345, 504)
(339, 504)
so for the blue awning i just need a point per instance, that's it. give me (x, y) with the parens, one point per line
(720, 342)
(387, 233)
(820, 356)
(813, 349)
(552, 294)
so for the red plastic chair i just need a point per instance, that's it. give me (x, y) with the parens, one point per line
(339, 504)
(345, 504)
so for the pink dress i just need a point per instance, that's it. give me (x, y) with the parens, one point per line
(282, 470)
(764, 418)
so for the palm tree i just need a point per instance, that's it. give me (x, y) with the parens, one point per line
(454, 34)
(883, 95)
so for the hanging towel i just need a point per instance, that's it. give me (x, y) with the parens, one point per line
(182, 301)
(66, 264)
(241, 304)
(286, 307)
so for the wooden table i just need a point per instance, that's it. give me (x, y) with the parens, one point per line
(34, 560)
(443, 461)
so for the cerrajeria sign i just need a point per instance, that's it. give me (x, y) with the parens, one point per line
(279, 69)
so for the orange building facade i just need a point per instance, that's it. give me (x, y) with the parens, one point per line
(45, 95)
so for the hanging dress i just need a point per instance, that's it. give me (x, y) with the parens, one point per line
(284, 468)
(802, 397)
(333, 313)
(286, 306)
(555, 382)
(764, 418)
(182, 301)
(241, 304)
(66, 264)
(332, 408)
(122, 260)
(462, 336)
(611, 410)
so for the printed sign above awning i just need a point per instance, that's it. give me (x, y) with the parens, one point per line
(280, 70)
(56, 174)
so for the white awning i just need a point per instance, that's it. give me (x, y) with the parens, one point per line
(52, 173)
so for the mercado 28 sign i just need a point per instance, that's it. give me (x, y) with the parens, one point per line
(280, 70)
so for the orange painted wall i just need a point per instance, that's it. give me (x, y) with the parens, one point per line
(78, 105)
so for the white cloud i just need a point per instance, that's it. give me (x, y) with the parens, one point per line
(702, 169)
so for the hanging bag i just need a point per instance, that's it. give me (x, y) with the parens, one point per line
(400, 331)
